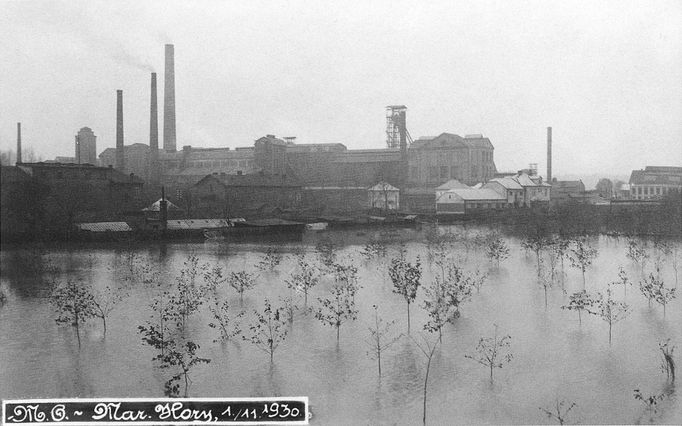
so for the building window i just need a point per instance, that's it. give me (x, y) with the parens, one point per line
(658, 190)
(443, 172)
(433, 173)
(414, 172)
(454, 172)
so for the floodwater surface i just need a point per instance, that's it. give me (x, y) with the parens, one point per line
(555, 357)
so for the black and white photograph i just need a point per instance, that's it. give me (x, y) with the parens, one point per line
(390, 212)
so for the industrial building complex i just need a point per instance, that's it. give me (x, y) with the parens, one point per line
(447, 174)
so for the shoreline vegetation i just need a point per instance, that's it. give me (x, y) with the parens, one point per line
(663, 220)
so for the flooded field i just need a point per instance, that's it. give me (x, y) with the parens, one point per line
(556, 355)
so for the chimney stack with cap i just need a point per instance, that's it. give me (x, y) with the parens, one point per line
(18, 143)
(154, 133)
(549, 155)
(120, 158)
(169, 101)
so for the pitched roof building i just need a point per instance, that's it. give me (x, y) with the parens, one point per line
(655, 182)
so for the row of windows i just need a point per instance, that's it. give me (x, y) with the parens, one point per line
(486, 205)
(221, 163)
(651, 190)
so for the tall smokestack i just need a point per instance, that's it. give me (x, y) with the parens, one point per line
(154, 133)
(549, 155)
(18, 143)
(119, 131)
(169, 101)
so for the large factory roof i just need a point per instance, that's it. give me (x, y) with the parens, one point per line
(368, 156)
(452, 140)
(657, 176)
(316, 147)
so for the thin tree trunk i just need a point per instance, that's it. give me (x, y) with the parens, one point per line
(426, 381)
(104, 322)
(379, 358)
(408, 316)
(545, 297)
(609, 333)
(186, 384)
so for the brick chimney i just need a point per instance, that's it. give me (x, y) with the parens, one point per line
(154, 133)
(18, 143)
(549, 154)
(120, 158)
(169, 101)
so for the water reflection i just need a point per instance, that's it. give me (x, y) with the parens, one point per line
(554, 355)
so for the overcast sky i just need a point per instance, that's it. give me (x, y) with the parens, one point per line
(606, 75)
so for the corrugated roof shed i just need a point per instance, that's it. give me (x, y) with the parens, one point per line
(194, 224)
(104, 227)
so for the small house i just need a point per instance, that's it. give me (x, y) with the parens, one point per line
(384, 196)
(467, 201)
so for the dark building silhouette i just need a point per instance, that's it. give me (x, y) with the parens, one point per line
(86, 147)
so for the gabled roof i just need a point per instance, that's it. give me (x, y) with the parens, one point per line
(507, 183)
(383, 186)
(452, 184)
(477, 141)
(156, 206)
(524, 180)
(444, 140)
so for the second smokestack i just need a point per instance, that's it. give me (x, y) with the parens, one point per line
(119, 131)
(549, 155)
(18, 143)
(169, 101)
(154, 133)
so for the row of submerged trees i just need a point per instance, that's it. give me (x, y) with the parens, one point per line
(443, 297)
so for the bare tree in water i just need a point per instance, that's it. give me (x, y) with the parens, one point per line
(560, 411)
(428, 348)
(380, 337)
(493, 352)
